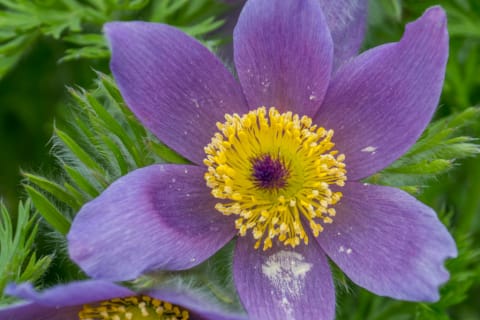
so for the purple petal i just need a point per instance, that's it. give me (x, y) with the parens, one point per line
(197, 306)
(72, 294)
(62, 302)
(283, 53)
(284, 283)
(158, 217)
(388, 242)
(29, 311)
(346, 20)
(379, 103)
(174, 85)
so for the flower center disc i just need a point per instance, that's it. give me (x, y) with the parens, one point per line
(269, 173)
(274, 171)
(133, 308)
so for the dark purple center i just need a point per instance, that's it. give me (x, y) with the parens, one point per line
(269, 173)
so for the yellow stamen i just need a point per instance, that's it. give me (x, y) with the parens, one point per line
(274, 172)
(133, 308)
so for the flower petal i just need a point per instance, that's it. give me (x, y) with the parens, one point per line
(173, 84)
(158, 217)
(29, 311)
(72, 294)
(283, 52)
(388, 242)
(380, 102)
(347, 21)
(62, 302)
(284, 283)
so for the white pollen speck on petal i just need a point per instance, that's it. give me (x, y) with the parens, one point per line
(370, 149)
(349, 250)
(341, 249)
(312, 97)
(265, 85)
(213, 228)
(286, 271)
(174, 180)
(186, 170)
(195, 102)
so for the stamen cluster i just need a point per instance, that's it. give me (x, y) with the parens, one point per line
(133, 308)
(274, 171)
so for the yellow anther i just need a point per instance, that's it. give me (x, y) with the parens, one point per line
(135, 307)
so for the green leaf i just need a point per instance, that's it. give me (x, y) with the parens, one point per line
(18, 261)
(111, 125)
(48, 211)
(87, 52)
(79, 152)
(435, 166)
(166, 153)
(54, 188)
(81, 181)
(136, 4)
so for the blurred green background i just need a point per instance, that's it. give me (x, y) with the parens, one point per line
(48, 45)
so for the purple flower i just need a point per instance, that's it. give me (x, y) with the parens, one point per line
(287, 177)
(96, 299)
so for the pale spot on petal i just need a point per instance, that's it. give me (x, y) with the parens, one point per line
(286, 270)
(370, 149)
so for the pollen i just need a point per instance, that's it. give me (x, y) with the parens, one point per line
(133, 308)
(279, 174)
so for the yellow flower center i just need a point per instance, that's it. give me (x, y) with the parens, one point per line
(274, 171)
(133, 308)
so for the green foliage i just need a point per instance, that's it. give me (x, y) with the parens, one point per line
(79, 23)
(49, 212)
(18, 260)
(436, 152)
